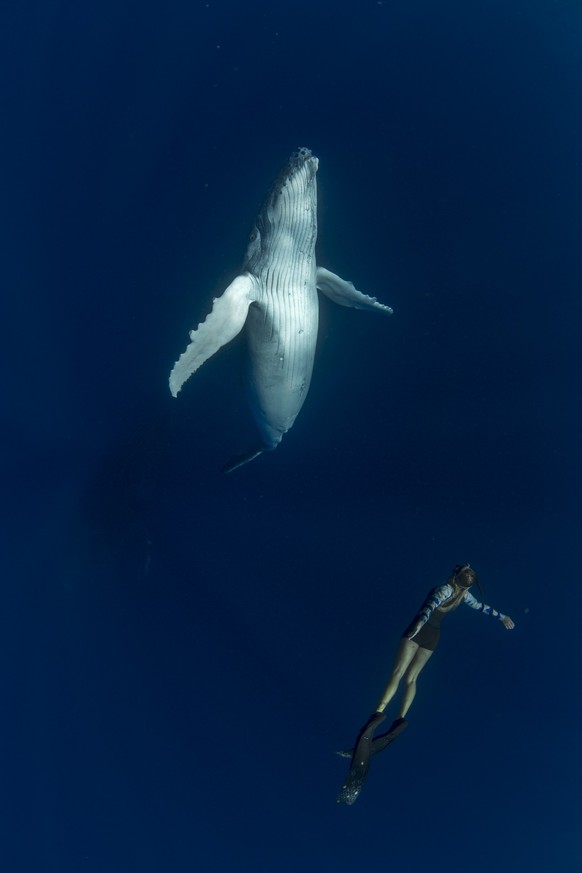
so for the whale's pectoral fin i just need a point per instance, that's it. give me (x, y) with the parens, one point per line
(345, 294)
(226, 320)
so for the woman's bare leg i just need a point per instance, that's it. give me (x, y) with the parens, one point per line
(350, 790)
(405, 654)
(415, 666)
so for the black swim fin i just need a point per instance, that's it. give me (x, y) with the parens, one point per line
(364, 749)
(379, 743)
(350, 790)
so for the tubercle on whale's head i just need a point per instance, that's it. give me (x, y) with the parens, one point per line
(296, 182)
(295, 179)
(301, 158)
(289, 207)
(302, 165)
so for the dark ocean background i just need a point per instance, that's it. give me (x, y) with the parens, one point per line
(183, 651)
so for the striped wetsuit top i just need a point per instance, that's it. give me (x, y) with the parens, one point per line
(440, 595)
(429, 632)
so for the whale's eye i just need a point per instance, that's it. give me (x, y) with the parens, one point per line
(254, 240)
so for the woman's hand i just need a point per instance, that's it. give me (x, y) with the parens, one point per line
(507, 621)
(415, 629)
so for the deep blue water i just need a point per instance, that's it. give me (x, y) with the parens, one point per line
(183, 651)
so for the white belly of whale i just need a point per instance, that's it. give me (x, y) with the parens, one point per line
(275, 301)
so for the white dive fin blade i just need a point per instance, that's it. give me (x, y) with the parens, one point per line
(345, 294)
(226, 320)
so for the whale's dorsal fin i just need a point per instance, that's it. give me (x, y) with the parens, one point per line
(344, 293)
(229, 313)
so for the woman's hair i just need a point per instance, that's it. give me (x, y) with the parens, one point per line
(461, 578)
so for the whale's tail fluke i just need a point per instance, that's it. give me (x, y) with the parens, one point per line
(241, 460)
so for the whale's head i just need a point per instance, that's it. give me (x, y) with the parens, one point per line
(288, 217)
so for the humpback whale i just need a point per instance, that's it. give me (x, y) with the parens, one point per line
(275, 300)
